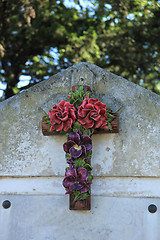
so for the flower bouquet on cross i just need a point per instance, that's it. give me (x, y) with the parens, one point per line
(79, 116)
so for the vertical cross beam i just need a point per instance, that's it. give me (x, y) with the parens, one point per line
(82, 204)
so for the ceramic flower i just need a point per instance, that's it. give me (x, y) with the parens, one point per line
(76, 180)
(92, 113)
(71, 163)
(78, 144)
(62, 116)
(83, 114)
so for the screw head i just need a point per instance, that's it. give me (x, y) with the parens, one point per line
(6, 204)
(152, 208)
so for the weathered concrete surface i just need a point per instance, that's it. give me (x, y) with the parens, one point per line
(47, 218)
(135, 151)
(105, 186)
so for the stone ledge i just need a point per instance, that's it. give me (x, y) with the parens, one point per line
(105, 186)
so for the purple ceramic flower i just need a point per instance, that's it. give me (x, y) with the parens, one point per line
(77, 144)
(76, 180)
(70, 161)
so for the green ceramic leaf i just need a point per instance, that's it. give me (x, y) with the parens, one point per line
(110, 126)
(76, 126)
(88, 167)
(90, 177)
(79, 163)
(67, 155)
(83, 196)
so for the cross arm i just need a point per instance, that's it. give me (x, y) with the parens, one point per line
(114, 124)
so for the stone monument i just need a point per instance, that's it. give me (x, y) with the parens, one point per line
(125, 191)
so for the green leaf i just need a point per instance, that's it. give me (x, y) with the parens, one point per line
(90, 178)
(76, 126)
(86, 132)
(89, 154)
(77, 97)
(47, 119)
(109, 126)
(110, 117)
(67, 155)
(48, 129)
(109, 110)
(88, 167)
(79, 163)
(80, 88)
(90, 94)
(76, 195)
(83, 196)
(67, 168)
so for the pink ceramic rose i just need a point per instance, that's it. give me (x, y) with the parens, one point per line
(62, 116)
(92, 113)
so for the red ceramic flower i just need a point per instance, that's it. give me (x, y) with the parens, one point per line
(62, 116)
(92, 113)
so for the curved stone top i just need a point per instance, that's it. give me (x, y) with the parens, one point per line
(134, 151)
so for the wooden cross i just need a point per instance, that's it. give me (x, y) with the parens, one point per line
(82, 204)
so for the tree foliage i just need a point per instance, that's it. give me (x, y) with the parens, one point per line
(39, 38)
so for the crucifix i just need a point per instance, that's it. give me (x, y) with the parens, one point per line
(80, 117)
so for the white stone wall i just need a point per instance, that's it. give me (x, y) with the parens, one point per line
(47, 218)
(126, 166)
